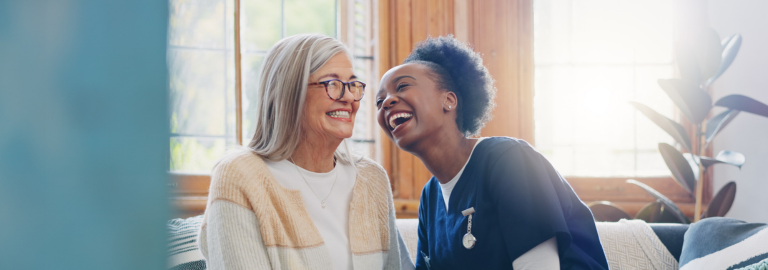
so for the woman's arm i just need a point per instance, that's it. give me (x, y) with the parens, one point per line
(543, 256)
(230, 238)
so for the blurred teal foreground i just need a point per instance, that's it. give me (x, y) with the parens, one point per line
(83, 134)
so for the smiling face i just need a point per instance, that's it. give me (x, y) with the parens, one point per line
(324, 117)
(412, 107)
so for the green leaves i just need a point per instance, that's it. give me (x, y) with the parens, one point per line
(722, 202)
(725, 157)
(668, 204)
(656, 212)
(743, 103)
(699, 57)
(694, 102)
(685, 167)
(702, 58)
(681, 170)
(718, 123)
(671, 127)
(607, 211)
(731, 47)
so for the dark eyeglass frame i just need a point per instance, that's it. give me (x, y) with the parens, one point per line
(344, 86)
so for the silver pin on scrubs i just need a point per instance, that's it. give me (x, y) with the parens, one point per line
(469, 240)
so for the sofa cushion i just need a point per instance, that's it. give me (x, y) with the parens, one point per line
(761, 265)
(183, 251)
(622, 246)
(671, 235)
(409, 230)
(724, 243)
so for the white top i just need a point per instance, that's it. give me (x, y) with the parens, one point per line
(447, 188)
(333, 220)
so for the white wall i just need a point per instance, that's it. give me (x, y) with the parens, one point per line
(748, 133)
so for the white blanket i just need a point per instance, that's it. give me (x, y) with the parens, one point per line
(632, 244)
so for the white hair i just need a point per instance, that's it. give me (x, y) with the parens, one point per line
(282, 93)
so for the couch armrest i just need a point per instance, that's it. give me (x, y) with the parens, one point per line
(409, 229)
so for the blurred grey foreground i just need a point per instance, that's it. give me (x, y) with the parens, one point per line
(83, 134)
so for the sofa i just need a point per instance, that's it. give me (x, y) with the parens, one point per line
(628, 244)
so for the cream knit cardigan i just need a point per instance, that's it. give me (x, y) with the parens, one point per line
(252, 222)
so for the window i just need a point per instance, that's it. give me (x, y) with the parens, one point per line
(201, 77)
(592, 57)
(201, 60)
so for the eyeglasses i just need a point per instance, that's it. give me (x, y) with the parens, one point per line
(335, 88)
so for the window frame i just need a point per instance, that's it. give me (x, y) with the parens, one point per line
(190, 190)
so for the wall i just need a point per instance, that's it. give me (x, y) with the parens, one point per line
(748, 133)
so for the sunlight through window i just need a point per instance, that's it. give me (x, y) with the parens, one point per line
(591, 58)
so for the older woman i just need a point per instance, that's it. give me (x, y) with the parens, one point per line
(493, 203)
(292, 200)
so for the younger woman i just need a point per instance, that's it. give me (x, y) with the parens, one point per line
(493, 203)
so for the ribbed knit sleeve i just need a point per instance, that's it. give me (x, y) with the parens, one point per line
(231, 239)
(395, 255)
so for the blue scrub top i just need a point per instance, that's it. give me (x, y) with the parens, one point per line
(520, 201)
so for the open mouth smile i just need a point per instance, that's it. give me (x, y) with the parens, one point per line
(343, 115)
(398, 119)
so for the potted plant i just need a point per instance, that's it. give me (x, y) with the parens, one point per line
(698, 69)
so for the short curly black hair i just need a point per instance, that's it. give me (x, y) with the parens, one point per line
(460, 70)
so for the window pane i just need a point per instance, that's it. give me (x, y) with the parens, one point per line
(262, 28)
(261, 24)
(201, 78)
(317, 16)
(197, 92)
(591, 58)
(196, 155)
(196, 23)
(251, 70)
(201, 63)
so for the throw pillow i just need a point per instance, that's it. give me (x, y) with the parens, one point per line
(183, 252)
(724, 243)
(762, 265)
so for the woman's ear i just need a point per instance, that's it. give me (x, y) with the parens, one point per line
(450, 101)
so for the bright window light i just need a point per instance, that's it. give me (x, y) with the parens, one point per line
(591, 58)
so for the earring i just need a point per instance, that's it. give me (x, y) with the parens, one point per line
(449, 107)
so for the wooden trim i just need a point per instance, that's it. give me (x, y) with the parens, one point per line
(343, 19)
(407, 208)
(191, 194)
(525, 69)
(384, 31)
(191, 184)
(616, 189)
(238, 79)
(630, 197)
(633, 207)
(187, 206)
(461, 19)
(192, 190)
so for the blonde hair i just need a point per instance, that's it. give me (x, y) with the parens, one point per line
(282, 93)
